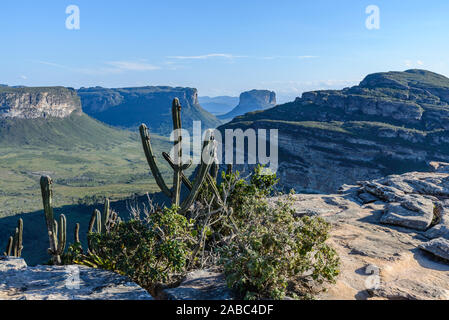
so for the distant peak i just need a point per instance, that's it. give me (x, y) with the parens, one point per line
(404, 80)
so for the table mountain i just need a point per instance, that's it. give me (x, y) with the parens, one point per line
(44, 116)
(252, 101)
(392, 122)
(129, 107)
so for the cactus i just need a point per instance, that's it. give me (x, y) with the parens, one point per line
(15, 243)
(18, 243)
(9, 247)
(106, 215)
(62, 235)
(57, 234)
(177, 170)
(102, 222)
(207, 172)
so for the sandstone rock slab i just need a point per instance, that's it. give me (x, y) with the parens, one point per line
(19, 282)
(438, 247)
(368, 198)
(396, 214)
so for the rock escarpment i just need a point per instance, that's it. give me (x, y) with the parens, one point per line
(129, 107)
(20, 282)
(32, 103)
(405, 257)
(391, 123)
(252, 101)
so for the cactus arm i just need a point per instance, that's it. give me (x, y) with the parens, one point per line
(214, 170)
(185, 180)
(77, 233)
(201, 176)
(15, 241)
(47, 195)
(92, 222)
(189, 185)
(9, 247)
(19, 243)
(146, 142)
(98, 218)
(106, 213)
(62, 234)
(177, 170)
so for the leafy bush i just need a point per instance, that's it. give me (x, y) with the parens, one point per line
(274, 254)
(152, 251)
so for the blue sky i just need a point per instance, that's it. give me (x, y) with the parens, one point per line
(219, 47)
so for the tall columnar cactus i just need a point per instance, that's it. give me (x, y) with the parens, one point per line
(57, 236)
(15, 247)
(203, 174)
(177, 170)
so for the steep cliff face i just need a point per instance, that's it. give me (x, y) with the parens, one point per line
(252, 101)
(391, 123)
(129, 107)
(33, 103)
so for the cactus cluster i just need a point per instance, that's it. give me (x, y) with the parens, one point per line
(57, 232)
(206, 174)
(15, 247)
(103, 222)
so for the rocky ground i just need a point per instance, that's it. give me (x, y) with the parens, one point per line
(392, 236)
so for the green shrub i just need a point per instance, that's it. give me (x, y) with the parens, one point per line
(275, 254)
(153, 251)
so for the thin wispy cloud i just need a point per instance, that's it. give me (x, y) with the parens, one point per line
(233, 56)
(56, 65)
(307, 57)
(132, 66)
(207, 56)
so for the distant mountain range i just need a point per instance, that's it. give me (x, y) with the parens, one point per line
(251, 101)
(392, 122)
(218, 105)
(129, 107)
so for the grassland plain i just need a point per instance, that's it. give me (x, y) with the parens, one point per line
(87, 160)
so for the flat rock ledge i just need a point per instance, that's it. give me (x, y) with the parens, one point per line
(20, 282)
(392, 236)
